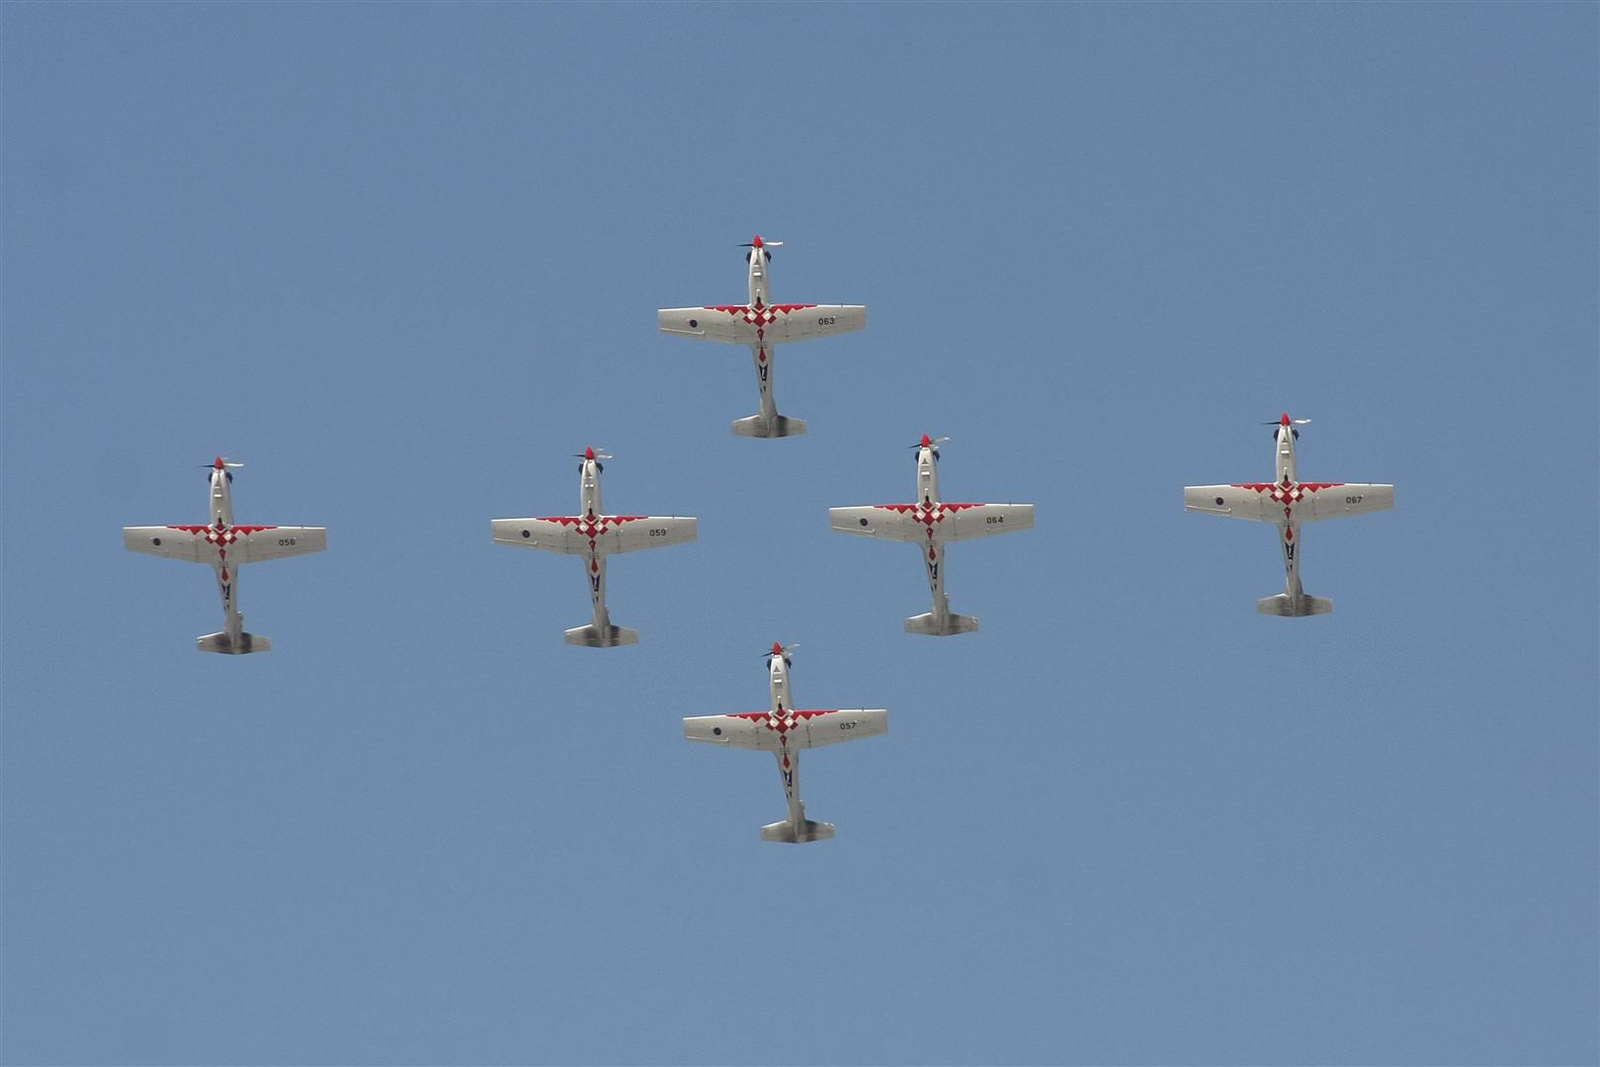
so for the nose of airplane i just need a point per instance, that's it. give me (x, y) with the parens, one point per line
(756, 241)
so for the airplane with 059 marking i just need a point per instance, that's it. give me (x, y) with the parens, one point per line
(226, 547)
(761, 324)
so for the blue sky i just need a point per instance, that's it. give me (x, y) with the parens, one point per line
(404, 261)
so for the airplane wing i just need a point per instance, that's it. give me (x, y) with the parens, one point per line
(611, 533)
(806, 321)
(895, 522)
(260, 543)
(170, 542)
(243, 544)
(949, 522)
(1233, 501)
(804, 729)
(737, 323)
(653, 531)
(963, 522)
(1307, 501)
(1346, 498)
(556, 534)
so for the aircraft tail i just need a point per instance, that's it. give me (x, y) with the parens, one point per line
(764, 426)
(930, 623)
(221, 642)
(1294, 607)
(602, 636)
(789, 832)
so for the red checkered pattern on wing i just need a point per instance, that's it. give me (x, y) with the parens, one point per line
(592, 528)
(1286, 492)
(927, 514)
(222, 536)
(760, 315)
(781, 724)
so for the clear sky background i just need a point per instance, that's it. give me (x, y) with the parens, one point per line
(404, 261)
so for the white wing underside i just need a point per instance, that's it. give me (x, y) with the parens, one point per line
(611, 534)
(948, 522)
(1306, 501)
(803, 729)
(243, 544)
(785, 323)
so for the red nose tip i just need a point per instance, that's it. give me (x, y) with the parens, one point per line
(777, 649)
(926, 440)
(1285, 421)
(757, 240)
(588, 453)
(217, 463)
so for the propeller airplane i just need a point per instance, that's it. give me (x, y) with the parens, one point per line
(784, 731)
(595, 535)
(1289, 502)
(226, 547)
(930, 523)
(762, 324)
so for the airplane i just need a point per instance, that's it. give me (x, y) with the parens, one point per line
(784, 731)
(930, 523)
(1298, 502)
(227, 547)
(594, 535)
(762, 324)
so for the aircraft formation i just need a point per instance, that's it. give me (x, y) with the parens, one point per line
(928, 521)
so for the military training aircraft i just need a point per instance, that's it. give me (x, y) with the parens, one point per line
(929, 523)
(1289, 502)
(594, 535)
(784, 731)
(226, 547)
(761, 324)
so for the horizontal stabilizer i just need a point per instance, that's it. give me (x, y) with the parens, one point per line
(220, 642)
(929, 623)
(762, 426)
(1283, 604)
(788, 832)
(598, 637)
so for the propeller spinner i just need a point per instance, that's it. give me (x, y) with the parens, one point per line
(220, 464)
(765, 247)
(1285, 420)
